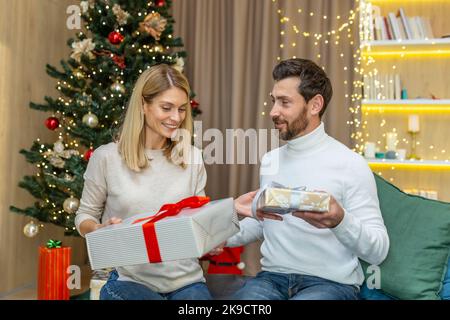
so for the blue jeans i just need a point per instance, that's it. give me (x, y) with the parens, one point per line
(127, 290)
(279, 286)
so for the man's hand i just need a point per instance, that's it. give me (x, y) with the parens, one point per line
(217, 250)
(243, 204)
(260, 215)
(323, 220)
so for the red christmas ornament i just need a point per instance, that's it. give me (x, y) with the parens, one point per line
(115, 37)
(52, 123)
(88, 154)
(194, 104)
(160, 3)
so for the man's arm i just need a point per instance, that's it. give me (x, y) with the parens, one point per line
(358, 223)
(362, 228)
(251, 230)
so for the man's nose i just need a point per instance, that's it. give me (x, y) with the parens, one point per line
(275, 112)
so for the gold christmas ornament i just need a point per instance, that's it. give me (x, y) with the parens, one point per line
(31, 229)
(158, 48)
(69, 177)
(154, 25)
(84, 100)
(90, 120)
(117, 87)
(78, 73)
(71, 205)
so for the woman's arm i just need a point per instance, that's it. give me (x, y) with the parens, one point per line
(93, 199)
(91, 208)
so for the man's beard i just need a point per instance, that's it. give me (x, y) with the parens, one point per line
(295, 128)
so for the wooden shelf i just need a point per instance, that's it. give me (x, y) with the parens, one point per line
(409, 43)
(410, 105)
(434, 47)
(423, 66)
(403, 2)
(408, 102)
(409, 164)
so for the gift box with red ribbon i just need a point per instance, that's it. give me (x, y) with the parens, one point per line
(187, 229)
(52, 273)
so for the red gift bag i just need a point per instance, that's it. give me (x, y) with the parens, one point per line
(52, 273)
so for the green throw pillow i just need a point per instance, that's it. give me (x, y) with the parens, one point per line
(419, 234)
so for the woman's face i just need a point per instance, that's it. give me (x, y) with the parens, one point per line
(165, 114)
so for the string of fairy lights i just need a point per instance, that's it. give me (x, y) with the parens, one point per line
(369, 61)
(345, 26)
(364, 58)
(365, 65)
(342, 33)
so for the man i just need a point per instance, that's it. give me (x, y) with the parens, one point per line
(307, 255)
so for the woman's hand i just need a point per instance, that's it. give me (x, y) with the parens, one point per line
(113, 220)
(217, 250)
(90, 225)
(243, 204)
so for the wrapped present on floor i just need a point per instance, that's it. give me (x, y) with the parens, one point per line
(187, 229)
(52, 273)
(276, 198)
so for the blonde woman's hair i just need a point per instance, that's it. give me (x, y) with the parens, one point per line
(131, 137)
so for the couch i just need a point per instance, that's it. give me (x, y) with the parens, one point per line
(417, 264)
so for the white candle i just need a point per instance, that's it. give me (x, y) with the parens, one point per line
(369, 150)
(401, 154)
(391, 141)
(413, 124)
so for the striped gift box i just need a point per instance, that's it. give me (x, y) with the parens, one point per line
(190, 234)
(52, 273)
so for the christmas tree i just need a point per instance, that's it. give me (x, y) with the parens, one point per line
(122, 38)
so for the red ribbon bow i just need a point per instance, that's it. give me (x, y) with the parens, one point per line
(167, 210)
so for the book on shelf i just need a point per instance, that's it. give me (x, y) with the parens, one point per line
(428, 28)
(382, 87)
(394, 25)
(405, 23)
(397, 26)
(397, 87)
(416, 31)
(402, 29)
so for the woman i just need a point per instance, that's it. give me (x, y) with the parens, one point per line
(151, 164)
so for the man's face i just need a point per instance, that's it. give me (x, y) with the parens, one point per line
(290, 111)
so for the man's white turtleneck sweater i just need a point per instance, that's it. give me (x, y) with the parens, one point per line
(319, 162)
